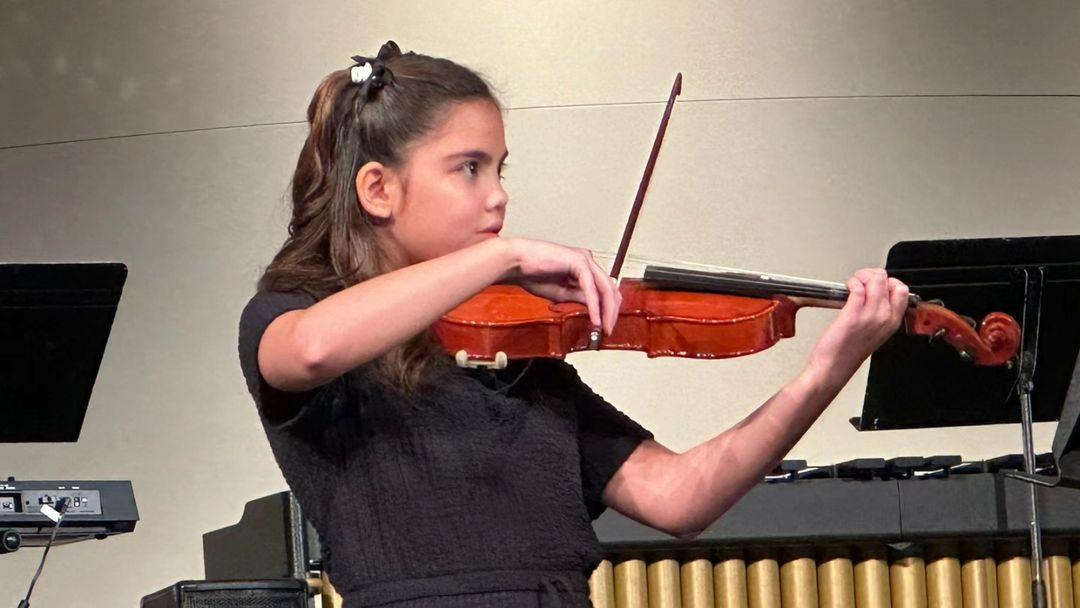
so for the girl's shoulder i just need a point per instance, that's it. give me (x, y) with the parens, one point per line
(265, 306)
(273, 300)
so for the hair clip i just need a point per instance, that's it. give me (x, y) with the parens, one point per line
(373, 72)
(360, 73)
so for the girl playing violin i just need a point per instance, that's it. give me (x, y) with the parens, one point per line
(432, 485)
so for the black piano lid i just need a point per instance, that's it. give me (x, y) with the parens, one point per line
(915, 384)
(55, 320)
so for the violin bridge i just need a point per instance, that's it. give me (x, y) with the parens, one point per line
(462, 359)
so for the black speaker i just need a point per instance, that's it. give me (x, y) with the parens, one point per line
(277, 593)
(271, 540)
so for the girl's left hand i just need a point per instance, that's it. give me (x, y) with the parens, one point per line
(874, 309)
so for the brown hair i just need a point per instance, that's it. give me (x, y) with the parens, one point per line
(332, 242)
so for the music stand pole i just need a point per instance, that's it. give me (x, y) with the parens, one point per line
(1033, 284)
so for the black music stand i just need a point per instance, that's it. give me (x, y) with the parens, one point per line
(1037, 281)
(55, 320)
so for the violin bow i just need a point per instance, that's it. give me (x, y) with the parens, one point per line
(628, 231)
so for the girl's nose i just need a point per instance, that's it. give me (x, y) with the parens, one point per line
(498, 197)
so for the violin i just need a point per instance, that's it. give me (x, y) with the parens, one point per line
(661, 316)
(686, 312)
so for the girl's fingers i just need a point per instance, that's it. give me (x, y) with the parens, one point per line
(608, 295)
(605, 291)
(574, 275)
(898, 300)
(876, 291)
(856, 295)
(585, 280)
(864, 275)
(886, 309)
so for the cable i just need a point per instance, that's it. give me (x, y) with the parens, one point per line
(63, 504)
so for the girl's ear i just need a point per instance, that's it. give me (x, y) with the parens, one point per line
(376, 193)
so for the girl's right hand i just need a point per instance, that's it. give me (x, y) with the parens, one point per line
(565, 274)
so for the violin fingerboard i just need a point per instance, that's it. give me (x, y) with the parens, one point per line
(749, 284)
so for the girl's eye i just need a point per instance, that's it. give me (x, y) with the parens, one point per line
(471, 167)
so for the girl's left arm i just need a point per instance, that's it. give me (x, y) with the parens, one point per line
(682, 493)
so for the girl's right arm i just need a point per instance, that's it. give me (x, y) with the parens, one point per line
(303, 349)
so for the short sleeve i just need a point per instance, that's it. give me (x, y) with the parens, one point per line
(606, 437)
(278, 407)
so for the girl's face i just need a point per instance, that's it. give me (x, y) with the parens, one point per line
(452, 194)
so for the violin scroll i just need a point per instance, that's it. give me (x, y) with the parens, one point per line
(994, 342)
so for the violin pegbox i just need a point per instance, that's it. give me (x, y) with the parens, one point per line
(995, 341)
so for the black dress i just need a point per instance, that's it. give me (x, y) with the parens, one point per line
(478, 493)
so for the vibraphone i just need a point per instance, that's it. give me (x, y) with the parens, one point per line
(907, 532)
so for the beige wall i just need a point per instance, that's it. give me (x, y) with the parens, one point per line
(162, 135)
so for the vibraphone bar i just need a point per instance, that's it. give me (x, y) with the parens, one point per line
(907, 532)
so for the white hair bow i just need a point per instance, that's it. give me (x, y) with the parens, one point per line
(360, 73)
